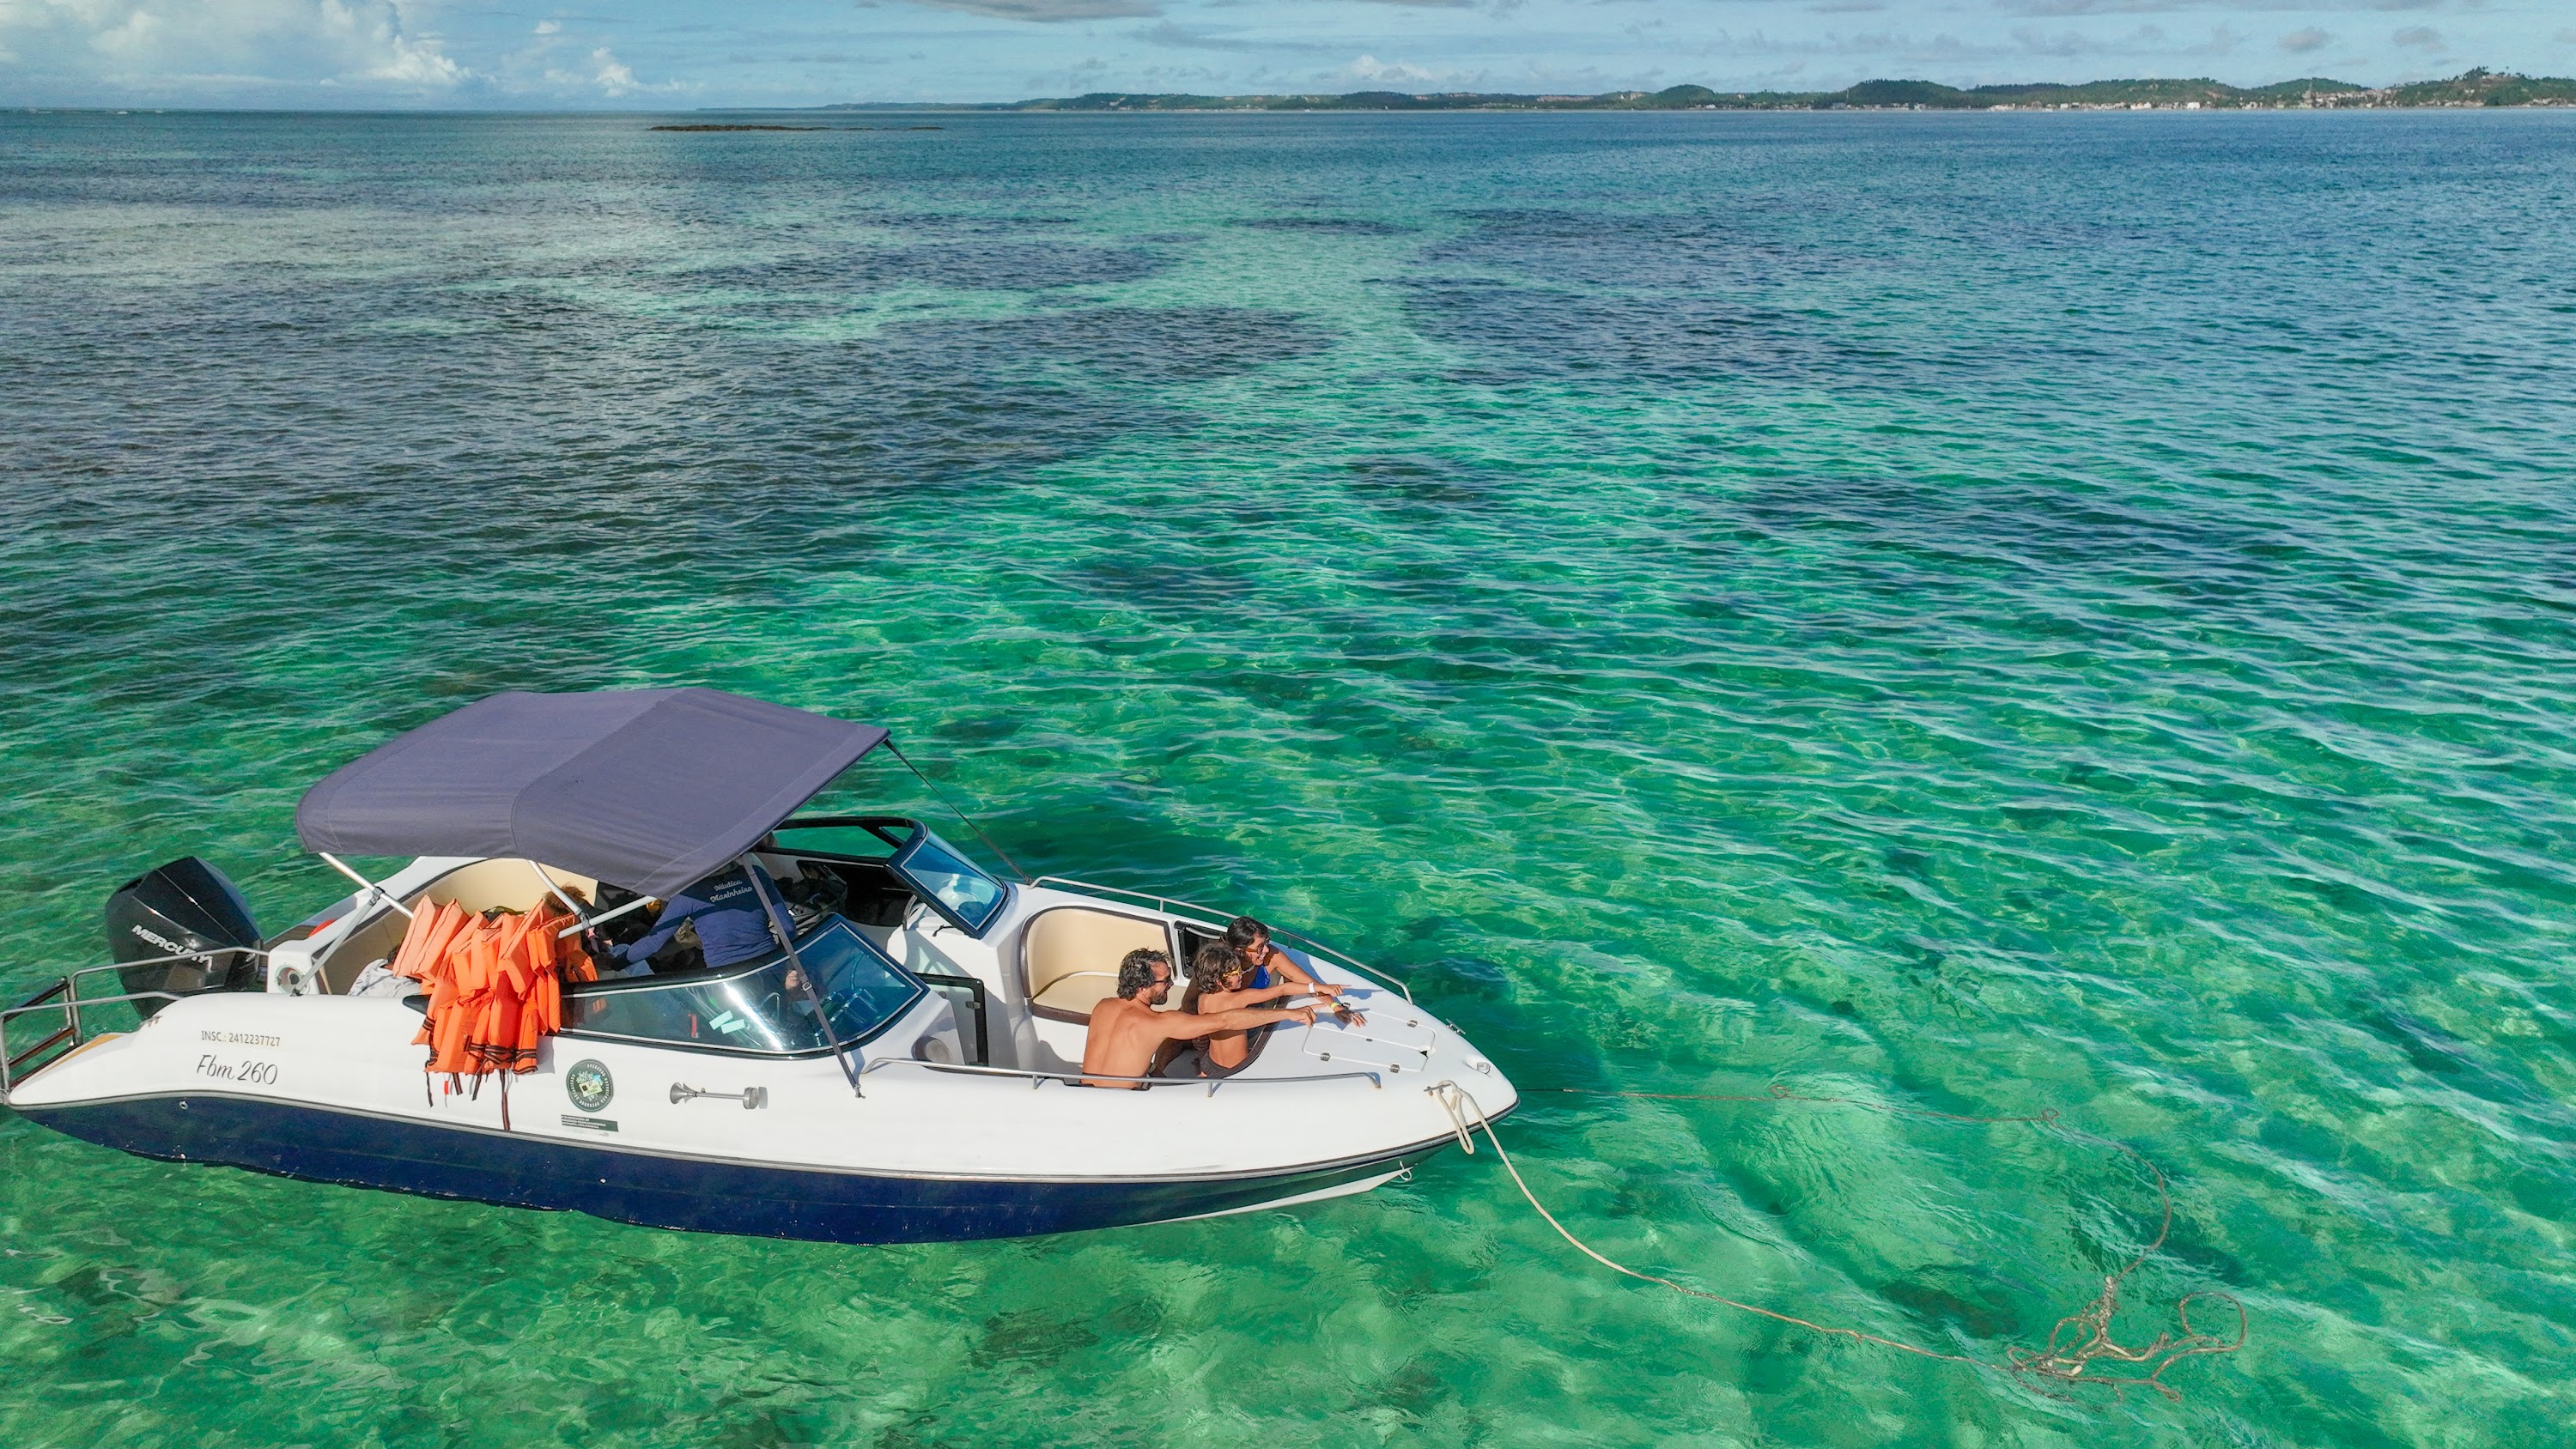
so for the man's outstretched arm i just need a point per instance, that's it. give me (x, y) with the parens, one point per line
(1182, 1026)
(1283, 989)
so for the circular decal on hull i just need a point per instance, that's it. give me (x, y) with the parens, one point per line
(589, 1085)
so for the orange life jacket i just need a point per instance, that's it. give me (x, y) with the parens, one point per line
(495, 986)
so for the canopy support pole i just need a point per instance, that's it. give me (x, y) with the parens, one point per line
(581, 918)
(366, 887)
(786, 930)
(637, 904)
(953, 810)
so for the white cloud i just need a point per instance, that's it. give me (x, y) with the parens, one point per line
(1048, 12)
(235, 46)
(609, 76)
(548, 27)
(2419, 37)
(419, 66)
(2300, 42)
(1391, 72)
(613, 77)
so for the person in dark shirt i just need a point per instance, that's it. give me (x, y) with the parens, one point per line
(731, 923)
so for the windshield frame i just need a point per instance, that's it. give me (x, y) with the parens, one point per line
(924, 838)
(621, 986)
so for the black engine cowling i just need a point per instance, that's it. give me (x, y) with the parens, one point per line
(185, 909)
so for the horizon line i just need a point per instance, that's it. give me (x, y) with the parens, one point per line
(1555, 100)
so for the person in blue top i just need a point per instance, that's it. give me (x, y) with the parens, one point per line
(732, 925)
(1266, 962)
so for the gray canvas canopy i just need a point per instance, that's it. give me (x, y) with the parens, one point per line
(649, 789)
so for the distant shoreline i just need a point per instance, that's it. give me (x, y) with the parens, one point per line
(2475, 89)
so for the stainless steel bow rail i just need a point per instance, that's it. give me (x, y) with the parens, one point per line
(63, 995)
(1216, 919)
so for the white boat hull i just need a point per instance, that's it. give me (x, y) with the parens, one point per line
(331, 1089)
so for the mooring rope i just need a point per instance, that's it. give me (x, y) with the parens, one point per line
(2078, 1341)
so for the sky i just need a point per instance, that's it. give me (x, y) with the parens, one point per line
(689, 54)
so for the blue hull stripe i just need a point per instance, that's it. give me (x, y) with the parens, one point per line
(655, 1191)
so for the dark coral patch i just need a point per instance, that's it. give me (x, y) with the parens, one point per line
(1542, 293)
(1157, 345)
(1005, 264)
(1327, 225)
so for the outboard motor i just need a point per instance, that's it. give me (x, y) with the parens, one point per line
(188, 909)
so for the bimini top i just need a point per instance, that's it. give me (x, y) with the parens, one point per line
(649, 789)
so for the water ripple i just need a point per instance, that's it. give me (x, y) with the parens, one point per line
(1985, 613)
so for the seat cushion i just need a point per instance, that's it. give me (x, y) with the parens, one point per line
(1071, 956)
(1072, 996)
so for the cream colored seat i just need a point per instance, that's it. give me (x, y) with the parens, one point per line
(505, 881)
(1071, 956)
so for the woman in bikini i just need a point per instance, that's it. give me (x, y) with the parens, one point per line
(1267, 962)
(1220, 981)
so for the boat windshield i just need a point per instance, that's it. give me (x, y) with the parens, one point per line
(756, 1009)
(948, 882)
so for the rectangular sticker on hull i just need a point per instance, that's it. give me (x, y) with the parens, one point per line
(243, 1038)
(589, 1124)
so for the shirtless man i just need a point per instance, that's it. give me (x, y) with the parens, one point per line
(1126, 1030)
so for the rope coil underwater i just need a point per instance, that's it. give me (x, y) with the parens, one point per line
(2077, 1342)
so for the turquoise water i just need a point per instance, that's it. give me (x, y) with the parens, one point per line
(1978, 613)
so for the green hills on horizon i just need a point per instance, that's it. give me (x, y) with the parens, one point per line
(2474, 88)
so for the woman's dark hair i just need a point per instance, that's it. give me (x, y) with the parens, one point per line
(1242, 931)
(1214, 963)
(1136, 972)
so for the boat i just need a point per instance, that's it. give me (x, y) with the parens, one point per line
(904, 1065)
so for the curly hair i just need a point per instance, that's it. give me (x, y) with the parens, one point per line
(1136, 971)
(1214, 963)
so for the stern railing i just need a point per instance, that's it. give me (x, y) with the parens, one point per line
(55, 997)
(63, 995)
